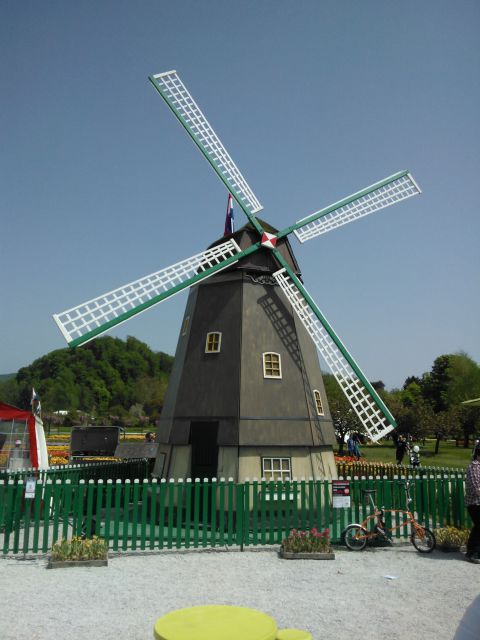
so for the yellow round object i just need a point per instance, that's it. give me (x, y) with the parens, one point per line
(293, 634)
(215, 622)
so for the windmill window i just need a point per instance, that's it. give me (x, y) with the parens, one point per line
(318, 402)
(213, 342)
(272, 366)
(276, 469)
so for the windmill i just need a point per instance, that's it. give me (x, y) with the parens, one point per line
(84, 322)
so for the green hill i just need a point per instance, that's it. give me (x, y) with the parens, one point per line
(107, 377)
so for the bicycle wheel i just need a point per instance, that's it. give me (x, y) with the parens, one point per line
(355, 537)
(423, 540)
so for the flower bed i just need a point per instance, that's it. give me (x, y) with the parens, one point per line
(312, 540)
(451, 538)
(78, 548)
(348, 466)
(79, 552)
(56, 461)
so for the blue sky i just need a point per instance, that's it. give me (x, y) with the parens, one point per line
(314, 100)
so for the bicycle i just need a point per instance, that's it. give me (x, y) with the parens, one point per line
(357, 535)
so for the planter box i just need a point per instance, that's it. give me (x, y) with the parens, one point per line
(290, 555)
(60, 564)
(447, 547)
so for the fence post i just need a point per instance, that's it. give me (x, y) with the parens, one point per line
(153, 508)
(263, 511)
(170, 506)
(271, 512)
(231, 512)
(67, 491)
(118, 489)
(135, 497)
(108, 511)
(8, 514)
(143, 525)
(461, 499)
(240, 514)
(387, 496)
(246, 500)
(221, 512)
(126, 513)
(90, 521)
(179, 507)
(36, 513)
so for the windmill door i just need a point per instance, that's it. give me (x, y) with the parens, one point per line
(203, 438)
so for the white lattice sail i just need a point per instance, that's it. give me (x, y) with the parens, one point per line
(87, 320)
(374, 198)
(178, 98)
(364, 405)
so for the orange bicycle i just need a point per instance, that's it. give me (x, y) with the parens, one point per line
(356, 536)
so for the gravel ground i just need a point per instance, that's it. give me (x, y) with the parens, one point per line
(393, 593)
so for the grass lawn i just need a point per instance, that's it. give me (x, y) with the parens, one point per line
(448, 455)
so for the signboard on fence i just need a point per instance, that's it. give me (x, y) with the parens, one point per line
(30, 488)
(341, 494)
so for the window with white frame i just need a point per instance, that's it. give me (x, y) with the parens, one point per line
(272, 365)
(318, 402)
(277, 469)
(213, 342)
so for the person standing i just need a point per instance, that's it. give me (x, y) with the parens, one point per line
(356, 446)
(401, 449)
(415, 456)
(472, 502)
(351, 444)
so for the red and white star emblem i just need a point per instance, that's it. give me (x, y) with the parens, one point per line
(268, 240)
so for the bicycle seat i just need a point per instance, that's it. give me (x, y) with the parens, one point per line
(369, 491)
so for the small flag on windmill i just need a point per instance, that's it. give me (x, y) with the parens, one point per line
(36, 406)
(229, 218)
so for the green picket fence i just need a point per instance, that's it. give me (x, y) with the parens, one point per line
(146, 514)
(97, 470)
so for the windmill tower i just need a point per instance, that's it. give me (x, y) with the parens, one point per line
(246, 397)
(248, 302)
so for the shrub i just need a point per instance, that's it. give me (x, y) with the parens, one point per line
(312, 541)
(452, 536)
(79, 549)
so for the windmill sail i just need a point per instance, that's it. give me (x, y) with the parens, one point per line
(92, 318)
(89, 319)
(368, 406)
(374, 198)
(176, 95)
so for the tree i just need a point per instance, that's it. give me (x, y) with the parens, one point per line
(464, 381)
(435, 384)
(453, 378)
(344, 419)
(469, 422)
(100, 378)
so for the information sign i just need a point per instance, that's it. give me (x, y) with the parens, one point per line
(341, 494)
(30, 488)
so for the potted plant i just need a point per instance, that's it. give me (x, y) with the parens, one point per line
(79, 552)
(451, 538)
(311, 545)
